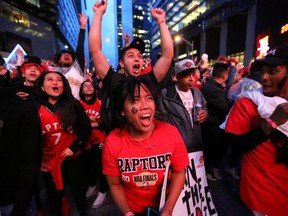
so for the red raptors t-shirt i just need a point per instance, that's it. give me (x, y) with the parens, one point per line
(141, 164)
(264, 184)
(55, 139)
(97, 136)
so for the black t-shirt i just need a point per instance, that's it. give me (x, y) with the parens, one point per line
(112, 79)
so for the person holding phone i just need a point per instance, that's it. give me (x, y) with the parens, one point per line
(136, 151)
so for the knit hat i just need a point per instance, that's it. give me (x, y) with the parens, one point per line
(184, 65)
(137, 43)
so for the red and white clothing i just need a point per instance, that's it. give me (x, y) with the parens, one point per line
(97, 136)
(55, 141)
(264, 184)
(141, 163)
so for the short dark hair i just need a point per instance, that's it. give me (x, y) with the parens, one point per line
(219, 69)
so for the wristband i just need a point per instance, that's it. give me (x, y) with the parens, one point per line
(129, 214)
(271, 123)
(161, 21)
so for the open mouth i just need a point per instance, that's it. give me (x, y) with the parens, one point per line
(136, 68)
(146, 119)
(55, 88)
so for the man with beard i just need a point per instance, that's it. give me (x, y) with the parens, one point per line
(257, 126)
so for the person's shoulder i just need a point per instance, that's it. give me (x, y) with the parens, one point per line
(244, 102)
(151, 76)
(116, 134)
(196, 90)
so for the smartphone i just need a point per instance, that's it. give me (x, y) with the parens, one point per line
(152, 212)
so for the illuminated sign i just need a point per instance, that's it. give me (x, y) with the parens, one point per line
(284, 28)
(262, 47)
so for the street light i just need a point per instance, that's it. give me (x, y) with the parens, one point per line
(179, 38)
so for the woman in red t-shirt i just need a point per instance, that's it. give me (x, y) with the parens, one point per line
(65, 128)
(94, 146)
(137, 150)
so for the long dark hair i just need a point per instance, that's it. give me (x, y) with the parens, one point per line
(82, 96)
(126, 90)
(65, 106)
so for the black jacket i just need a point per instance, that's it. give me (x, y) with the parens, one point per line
(171, 105)
(217, 103)
(20, 151)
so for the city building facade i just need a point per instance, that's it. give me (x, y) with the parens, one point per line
(221, 27)
(42, 28)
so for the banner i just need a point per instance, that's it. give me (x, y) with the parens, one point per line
(195, 198)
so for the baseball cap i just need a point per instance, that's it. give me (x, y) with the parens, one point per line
(276, 56)
(33, 61)
(184, 65)
(137, 43)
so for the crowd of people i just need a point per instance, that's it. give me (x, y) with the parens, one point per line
(115, 132)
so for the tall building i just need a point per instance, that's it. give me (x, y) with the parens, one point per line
(221, 27)
(42, 28)
(133, 17)
(142, 23)
(32, 31)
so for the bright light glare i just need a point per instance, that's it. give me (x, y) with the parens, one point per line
(177, 38)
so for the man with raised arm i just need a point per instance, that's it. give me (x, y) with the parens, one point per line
(130, 58)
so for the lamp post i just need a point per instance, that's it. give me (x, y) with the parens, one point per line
(178, 38)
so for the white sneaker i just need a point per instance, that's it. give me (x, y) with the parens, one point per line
(101, 198)
(91, 191)
(233, 172)
(217, 174)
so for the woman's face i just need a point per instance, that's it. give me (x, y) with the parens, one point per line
(88, 88)
(53, 86)
(140, 114)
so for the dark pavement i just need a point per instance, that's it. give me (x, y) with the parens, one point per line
(225, 195)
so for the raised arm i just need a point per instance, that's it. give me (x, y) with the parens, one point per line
(81, 37)
(100, 61)
(126, 37)
(162, 65)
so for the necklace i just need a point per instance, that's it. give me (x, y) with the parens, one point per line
(184, 95)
